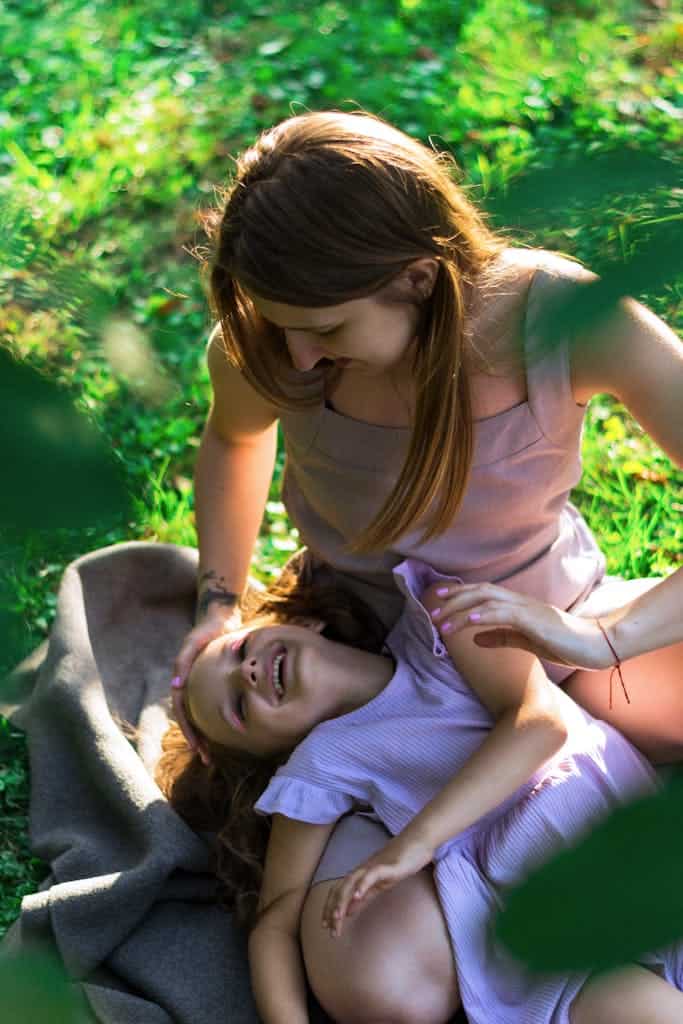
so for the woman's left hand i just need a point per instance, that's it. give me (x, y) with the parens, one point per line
(399, 859)
(523, 622)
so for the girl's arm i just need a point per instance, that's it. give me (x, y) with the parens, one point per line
(277, 970)
(529, 730)
(650, 621)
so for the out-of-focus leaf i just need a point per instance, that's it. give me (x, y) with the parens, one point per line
(57, 468)
(657, 261)
(583, 181)
(608, 900)
(35, 990)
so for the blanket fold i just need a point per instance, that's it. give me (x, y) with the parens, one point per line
(129, 904)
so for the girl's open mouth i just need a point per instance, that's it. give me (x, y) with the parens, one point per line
(277, 674)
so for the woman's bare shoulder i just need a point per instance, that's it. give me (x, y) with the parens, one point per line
(498, 308)
(495, 323)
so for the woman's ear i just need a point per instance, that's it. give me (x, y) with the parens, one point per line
(419, 278)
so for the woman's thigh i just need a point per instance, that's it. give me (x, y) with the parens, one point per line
(629, 995)
(393, 961)
(653, 720)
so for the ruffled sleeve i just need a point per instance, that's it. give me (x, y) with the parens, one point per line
(412, 578)
(303, 801)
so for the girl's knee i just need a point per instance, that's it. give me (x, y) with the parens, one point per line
(392, 963)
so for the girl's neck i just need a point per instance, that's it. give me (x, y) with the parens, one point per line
(368, 674)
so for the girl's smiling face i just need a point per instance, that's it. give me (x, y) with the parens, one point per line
(263, 690)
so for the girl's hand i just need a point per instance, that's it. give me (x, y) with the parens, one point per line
(523, 622)
(399, 859)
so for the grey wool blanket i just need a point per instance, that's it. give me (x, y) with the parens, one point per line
(128, 905)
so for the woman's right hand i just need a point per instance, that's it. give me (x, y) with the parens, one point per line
(523, 622)
(217, 620)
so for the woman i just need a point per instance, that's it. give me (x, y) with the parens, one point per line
(364, 303)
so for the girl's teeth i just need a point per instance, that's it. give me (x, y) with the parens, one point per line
(279, 688)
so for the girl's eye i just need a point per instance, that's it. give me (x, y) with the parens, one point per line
(241, 708)
(240, 647)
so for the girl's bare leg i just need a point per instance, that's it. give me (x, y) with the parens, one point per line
(630, 995)
(393, 963)
(653, 721)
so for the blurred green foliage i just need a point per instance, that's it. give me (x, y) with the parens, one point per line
(610, 899)
(36, 990)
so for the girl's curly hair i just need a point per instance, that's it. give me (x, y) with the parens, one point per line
(219, 798)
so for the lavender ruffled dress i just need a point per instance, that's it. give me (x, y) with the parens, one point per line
(397, 751)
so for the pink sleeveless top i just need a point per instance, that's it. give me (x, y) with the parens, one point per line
(515, 526)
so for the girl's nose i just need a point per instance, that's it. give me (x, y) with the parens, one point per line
(249, 672)
(303, 352)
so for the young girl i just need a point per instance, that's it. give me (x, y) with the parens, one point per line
(484, 780)
(362, 301)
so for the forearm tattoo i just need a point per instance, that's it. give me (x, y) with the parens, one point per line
(214, 593)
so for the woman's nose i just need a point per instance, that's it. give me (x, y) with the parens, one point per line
(303, 352)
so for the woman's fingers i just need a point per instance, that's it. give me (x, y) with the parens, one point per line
(463, 604)
(488, 612)
(185, 658)
(464, 595)
(197, 639)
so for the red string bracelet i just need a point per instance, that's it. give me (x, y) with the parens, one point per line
(617, 667)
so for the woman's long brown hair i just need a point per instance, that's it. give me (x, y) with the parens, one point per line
(220, 798)
(330, 206)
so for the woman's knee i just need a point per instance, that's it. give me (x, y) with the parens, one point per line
(392, 962)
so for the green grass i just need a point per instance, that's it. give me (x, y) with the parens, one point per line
(117, 122)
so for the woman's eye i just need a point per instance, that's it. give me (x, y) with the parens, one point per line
(241, 708)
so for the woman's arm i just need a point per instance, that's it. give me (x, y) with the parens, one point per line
(232, 478)
(634, 356)
(277, 970)
(529, 730)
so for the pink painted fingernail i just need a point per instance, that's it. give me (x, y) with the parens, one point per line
(442, 591)
(447, 627)
(474, 617)
(176, 682)
(435, 614)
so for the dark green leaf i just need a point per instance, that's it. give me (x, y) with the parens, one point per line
(57, 470)
(613, 897)
(35, 990)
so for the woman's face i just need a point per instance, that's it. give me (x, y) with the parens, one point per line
(367, 335)
(263, 691)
